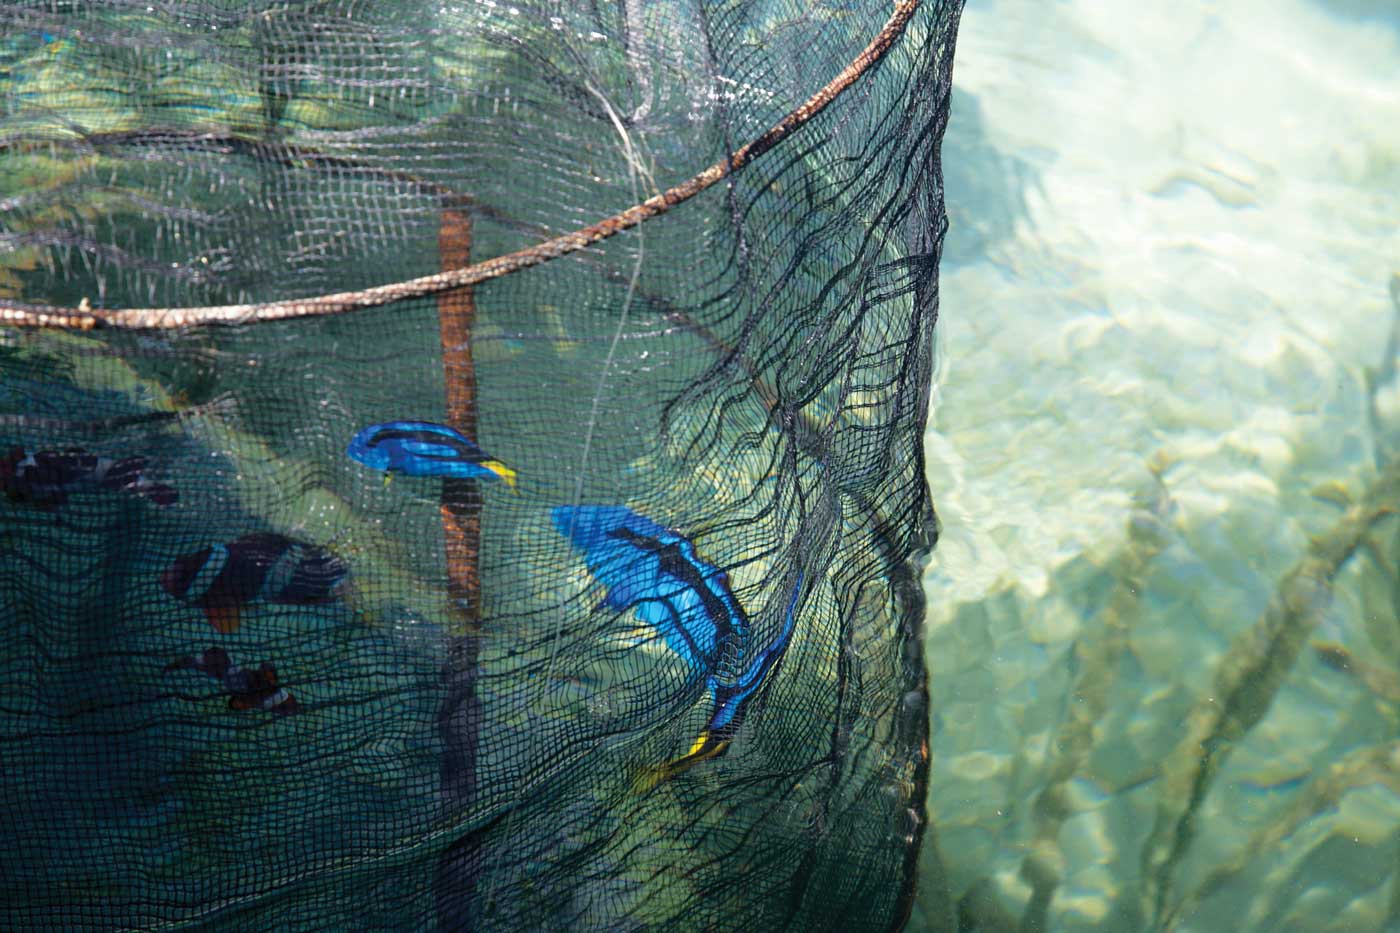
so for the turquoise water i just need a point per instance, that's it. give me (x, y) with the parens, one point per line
(1165, 377)
(1162, 632)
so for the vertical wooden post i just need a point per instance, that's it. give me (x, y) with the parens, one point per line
(459, 719)
(461, 499)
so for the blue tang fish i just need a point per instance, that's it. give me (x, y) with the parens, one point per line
(730, 703)
(422, 448)
(657, 573)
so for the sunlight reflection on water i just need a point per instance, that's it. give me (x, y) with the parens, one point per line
(1172, 230)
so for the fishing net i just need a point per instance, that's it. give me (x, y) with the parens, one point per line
(578, 589)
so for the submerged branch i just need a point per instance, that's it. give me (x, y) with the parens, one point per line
(1365, 767)
(1246, 683)
(1098, 661)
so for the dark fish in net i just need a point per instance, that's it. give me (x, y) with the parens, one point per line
(46, 478)
(222, 579)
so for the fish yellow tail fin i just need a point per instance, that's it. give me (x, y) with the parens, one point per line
(707, 746)
(506, 474)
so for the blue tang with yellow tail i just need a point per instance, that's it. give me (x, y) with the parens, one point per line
(730, 703)
(423, 448)
(657, 573)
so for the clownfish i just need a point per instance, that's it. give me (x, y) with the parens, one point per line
(422, 448)
(261, 567)
(46, 478)
(247, 689)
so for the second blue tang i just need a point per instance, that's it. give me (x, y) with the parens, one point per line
(657, 573)
(423, 448)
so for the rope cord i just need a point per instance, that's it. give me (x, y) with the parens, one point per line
(83, 318)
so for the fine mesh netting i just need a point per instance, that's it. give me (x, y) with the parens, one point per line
(584, 595)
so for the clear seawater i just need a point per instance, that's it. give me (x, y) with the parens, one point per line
(1163, 332)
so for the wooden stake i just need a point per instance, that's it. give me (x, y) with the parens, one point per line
(459, 718)
(461, 498)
